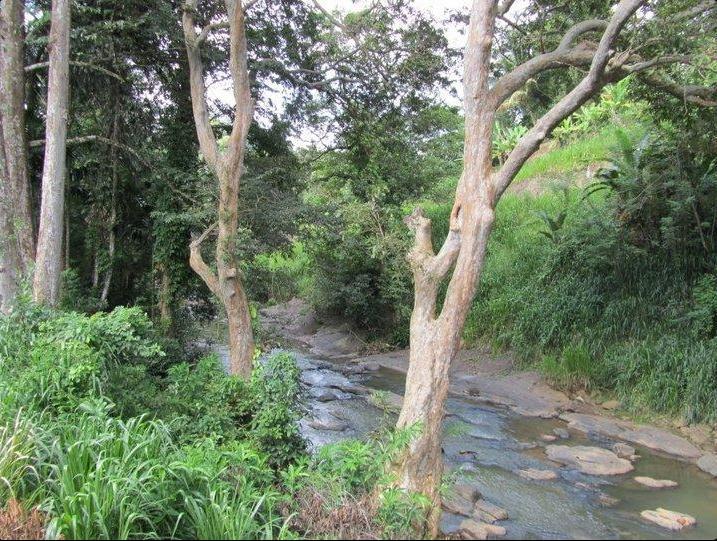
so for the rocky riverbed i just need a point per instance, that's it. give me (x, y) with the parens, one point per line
(556, 468)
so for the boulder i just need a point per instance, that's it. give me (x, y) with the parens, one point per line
(655, 483)
(457, 505)
(467, 491)
(333, 425)
(623, 450)
(607, 501)
(490, 511)
(326, 396)
(473, 529)
(668, 519)
(708, 463)
(538, 475)
(561, 433)
(644, 435)
(548, 437)
(589, 460)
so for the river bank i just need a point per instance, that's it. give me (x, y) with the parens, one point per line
(556, 467)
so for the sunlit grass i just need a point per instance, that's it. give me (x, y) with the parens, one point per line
(574, 156)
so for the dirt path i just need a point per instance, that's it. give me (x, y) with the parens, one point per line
(485, 377)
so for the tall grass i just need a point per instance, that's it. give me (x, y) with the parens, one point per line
(16, 451)
(595, 311)
(575, 156)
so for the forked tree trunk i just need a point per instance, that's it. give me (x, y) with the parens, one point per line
(48, 262)
(435, 332)
(16, 237)
(227, 167)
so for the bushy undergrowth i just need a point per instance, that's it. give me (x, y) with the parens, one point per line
(110, 439)
(114, 440)
(613, 287)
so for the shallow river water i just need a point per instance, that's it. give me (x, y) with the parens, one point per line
(487, 445)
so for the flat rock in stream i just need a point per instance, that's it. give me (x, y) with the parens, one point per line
(473, 529)
(538, 475)
(326, 396)
(651, 437)
(561, 433)
(589, 460)
(708, 464)
(623, 450)
(333, 425)
(324, 378)
(489, 512)
(655, 483)
(467, 491)
(671, 520)
(457, 504)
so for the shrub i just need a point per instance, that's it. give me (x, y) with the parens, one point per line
(108, 462)
(275, 400)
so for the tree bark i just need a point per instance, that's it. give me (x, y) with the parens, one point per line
(16, 236)
(435, 334)
(48, 263)
(113, 206)
(165, 297)
(227, 167)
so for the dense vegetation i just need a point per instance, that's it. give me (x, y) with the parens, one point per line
(113, 439)
(115, 422)
(608, 282)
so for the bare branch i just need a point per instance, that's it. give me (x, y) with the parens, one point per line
(504, 7)
(200, 108)
(562, 56)
(571, 102)
(197, 263)
(196, 241)
(591, 25)
(697, 95)
(77, 63)
(204, 34)
(694, 11)
(98, 138)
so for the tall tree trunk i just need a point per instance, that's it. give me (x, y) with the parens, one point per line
(435, 334)
(165, 297)
(227, 166)
(16, 237)
(48, 263)
(113, 206)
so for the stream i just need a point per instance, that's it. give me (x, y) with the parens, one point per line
(486, 445)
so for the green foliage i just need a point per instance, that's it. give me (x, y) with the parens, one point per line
(704, 313)
(614, 106)
(275, 395)
(349, 474)
(190, 453)
(278, 276)
(622, 297)
(16, 449)
(505, 138)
